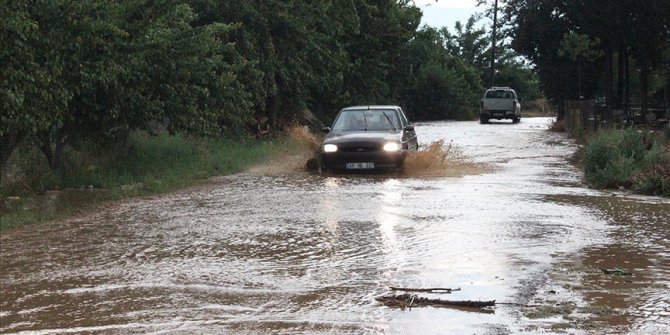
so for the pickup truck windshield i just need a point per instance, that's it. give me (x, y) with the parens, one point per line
(499, 95)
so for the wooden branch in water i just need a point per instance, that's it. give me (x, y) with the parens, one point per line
(518, 304)
(411, 300)
(431, 290)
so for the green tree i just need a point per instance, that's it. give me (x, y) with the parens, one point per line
(579, 48)
(651, 30)
(442, 86)
(445, 91)
(92, 70)
(78, 37)
(295, 47)
(632, 33)
(518, 75)
(536, 29)
(30, 92)
(179, 73)
(469, 43)
(379, 58)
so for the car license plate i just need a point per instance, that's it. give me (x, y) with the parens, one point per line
(356, 166)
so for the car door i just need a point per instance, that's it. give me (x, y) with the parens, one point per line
(408, 136)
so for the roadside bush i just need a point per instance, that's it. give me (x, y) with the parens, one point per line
(654, 176)
(631, 145)
(578, 133)
(628, 158)
(653, 181)
(604, 166)
(605, 162)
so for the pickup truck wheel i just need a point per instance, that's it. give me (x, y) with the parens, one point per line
(483, 120)
(515, 119)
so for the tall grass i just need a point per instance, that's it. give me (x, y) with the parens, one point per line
(638, 160)
(165, 162)
(140, 165)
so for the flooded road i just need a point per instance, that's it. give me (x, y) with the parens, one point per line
(294, 253)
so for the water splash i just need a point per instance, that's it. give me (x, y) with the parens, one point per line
(299, 157)
(440, 160)
(435, 160)
(303, 136)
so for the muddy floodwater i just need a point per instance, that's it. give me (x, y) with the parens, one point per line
(299, 253)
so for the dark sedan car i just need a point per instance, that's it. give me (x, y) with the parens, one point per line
(367, 138)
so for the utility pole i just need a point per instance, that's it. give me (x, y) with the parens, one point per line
(493, 44)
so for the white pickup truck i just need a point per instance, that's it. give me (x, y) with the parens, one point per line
(499, 103)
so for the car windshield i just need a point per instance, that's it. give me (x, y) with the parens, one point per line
(367, 120)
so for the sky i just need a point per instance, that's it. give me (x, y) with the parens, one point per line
(443, 13)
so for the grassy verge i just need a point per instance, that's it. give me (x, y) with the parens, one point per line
(630, 158)
(143, 165)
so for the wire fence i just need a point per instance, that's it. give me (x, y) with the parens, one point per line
(584, 117)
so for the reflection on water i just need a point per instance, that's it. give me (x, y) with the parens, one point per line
(299, 253)
(640, 235)
(51, 202)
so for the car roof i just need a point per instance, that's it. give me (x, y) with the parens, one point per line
(370, 107)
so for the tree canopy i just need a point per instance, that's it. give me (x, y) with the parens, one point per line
(92, 71)
(612, 49)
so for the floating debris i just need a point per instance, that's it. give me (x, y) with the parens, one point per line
(412, 300)
(617, 272)
(429, 290)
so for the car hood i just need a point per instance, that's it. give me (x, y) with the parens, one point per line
(363, 136)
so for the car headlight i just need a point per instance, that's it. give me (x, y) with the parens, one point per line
(392, 147)
(329, 148)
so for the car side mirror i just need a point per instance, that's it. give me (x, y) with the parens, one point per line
(409, 127)
(325, 130)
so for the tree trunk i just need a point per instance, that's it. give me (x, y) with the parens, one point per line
(8, 143)
(644, 86)
(620, 76)
(626, 70)
(561, 109)
(579, 79)
(609, 73)
(273, 110)
(45, 146)
(51, 145)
